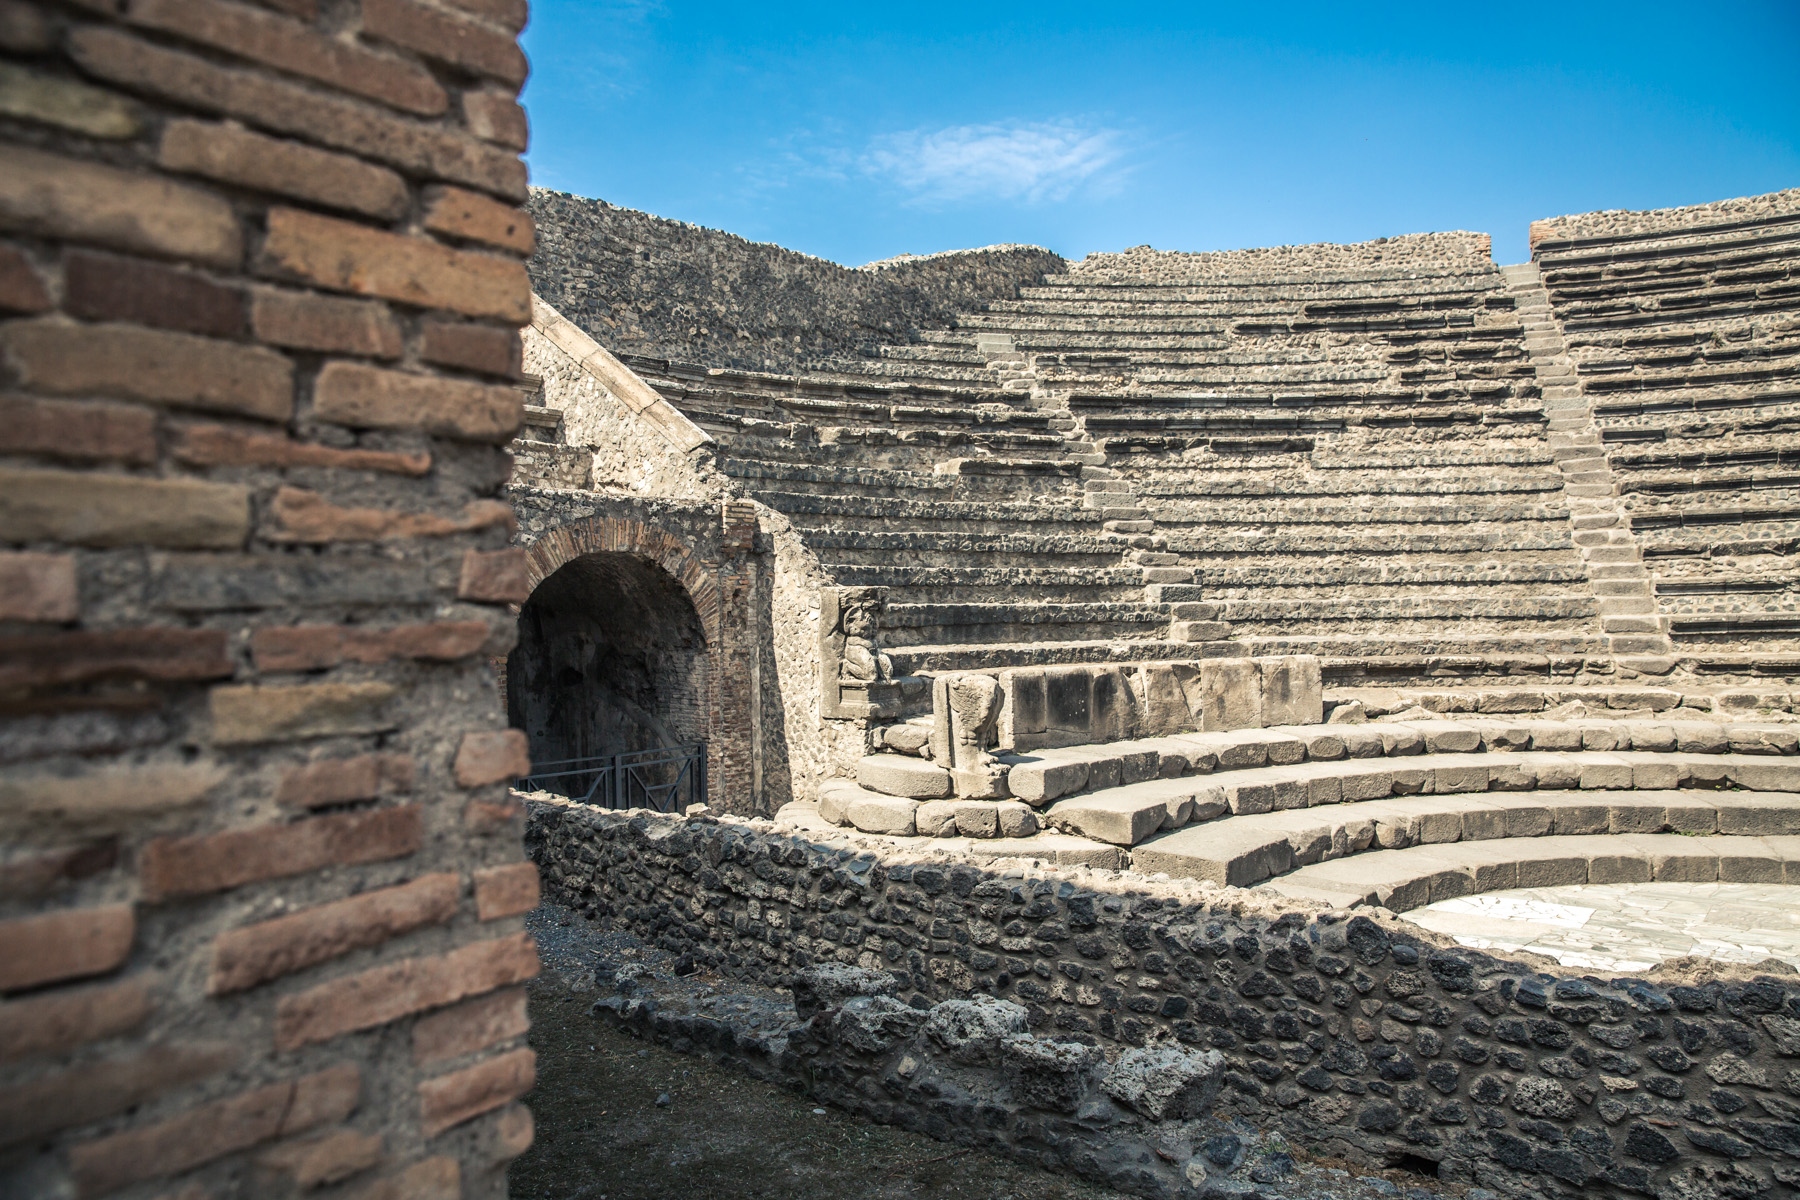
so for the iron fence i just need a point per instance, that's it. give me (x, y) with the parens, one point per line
(666, 779)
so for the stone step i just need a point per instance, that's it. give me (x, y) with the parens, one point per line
(1244, 851)
(1406, 879)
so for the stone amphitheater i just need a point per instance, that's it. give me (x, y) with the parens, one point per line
(1258, 591)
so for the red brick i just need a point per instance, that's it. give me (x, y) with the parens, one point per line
(317, 1161)
(243, 958)
(156, 366)
(79, 430)
(447, 37)
(55, 1022)
(40, 874)
(38, 587)
(249, 714)
(511, 1134)
(399, 989)
(194, 866)
(57, 197)
(67, 944)
(303, 516)
(492, 756)
(24, 29)
(308, 321)
(432, 1179)
(265, 164)
(223, 446)
(306, 10)
(347, 257)
(68, 656)
(367, 398)
(470, 346)
(470, 1026)
(86, 508)
(343, 780)
(460, 213)
(298, 49)
(486, 816)
(214, 1130)
(494, 116)
(508, 13)
(451, 1099)
(438, 152)
(94, 1090)
(109, 287)
(506, 891)
(316, 647)
(496, 576)
(22, 290)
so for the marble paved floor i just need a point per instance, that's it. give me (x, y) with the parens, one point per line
(1628, 926)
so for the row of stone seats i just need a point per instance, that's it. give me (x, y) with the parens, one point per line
(1684, 328)
(971, 509)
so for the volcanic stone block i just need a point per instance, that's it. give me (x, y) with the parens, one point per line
(1023, 713)
(1230, 694)
(1069, 699)
(1112, 715)
(1292, 690)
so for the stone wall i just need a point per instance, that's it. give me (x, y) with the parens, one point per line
(1355, 1035)
(647, 285)
(262, 272)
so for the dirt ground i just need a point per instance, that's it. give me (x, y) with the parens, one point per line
(601, 1134)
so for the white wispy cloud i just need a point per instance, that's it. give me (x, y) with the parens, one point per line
(1044, 160)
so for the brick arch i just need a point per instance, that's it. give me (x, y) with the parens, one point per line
(624, 535)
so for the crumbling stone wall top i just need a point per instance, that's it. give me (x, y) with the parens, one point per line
(1450, 253)
(1623, 222)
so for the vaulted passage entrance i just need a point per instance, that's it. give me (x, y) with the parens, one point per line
(611, 660)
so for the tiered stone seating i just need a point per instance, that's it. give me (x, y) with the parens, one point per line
(1339, 449)
(1683, 326)
(968, 505)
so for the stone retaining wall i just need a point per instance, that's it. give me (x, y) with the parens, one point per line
(647, 285)
(1354, 1035)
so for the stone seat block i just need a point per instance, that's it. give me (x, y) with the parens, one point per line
(904, 776)
(1127, 815)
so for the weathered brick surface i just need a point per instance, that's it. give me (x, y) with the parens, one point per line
(446, 37)
(120, 510)
(295, 48)
(22, 289)
(253, 160)
(497, 576)
(460, 213)
(225, 446)
(492, 756)
(214, 1130)
(471, 346)
(243, 715)
(329, 323)
(243, 958)
(449, 1100)
(79, 430)
(369, 398)
(53, 1022)
(506, 891)
(204, 499)
(346, 257)
(387, 993)
(340, 780)
(214, 862)
(57, 197)
(471, 1026)
(67, 944)
(176, 369)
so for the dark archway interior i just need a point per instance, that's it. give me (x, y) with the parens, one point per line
(611, 658)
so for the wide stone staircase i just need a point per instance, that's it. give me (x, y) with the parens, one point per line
(1683, 336)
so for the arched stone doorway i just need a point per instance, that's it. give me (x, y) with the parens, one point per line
(612, 658)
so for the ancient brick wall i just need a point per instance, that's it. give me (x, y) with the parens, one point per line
(648, 285)
(1355, 1035)
(261, 275)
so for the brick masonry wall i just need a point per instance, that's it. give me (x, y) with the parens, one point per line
(261, 274)
(1354, 1035)
(640, 284)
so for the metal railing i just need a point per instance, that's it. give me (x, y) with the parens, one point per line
(667, 779)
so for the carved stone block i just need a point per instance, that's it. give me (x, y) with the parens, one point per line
(856, 680)
(1292, 690)
(1230, 694)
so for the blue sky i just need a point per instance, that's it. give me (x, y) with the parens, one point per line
(855, 132)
